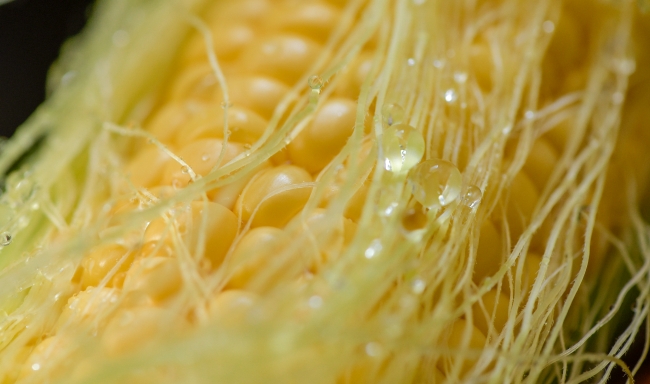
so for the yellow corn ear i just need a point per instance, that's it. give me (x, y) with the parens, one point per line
(362, 191)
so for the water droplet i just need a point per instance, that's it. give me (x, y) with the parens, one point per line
(387, 165)
(410, 62)
(414, 219)
(392, 113)
(625, 66)
(460, 77)
(315, 302)
(177, 184)
(5, 239)
(374, 349)
(403, 147)
(389, 209)
(205, 157)
(373, 249)
(439, 63)
(226, 104)
(315, 82)
(473, 196)
(418, 286)
(35, 206)
(530, 115)
(185, 169)
(507, 129)
(248, 146)
(548, 26)
(450, 96)
(36, 367)
(121, 38)
(435, 183)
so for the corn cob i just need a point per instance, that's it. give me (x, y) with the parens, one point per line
(332, 192)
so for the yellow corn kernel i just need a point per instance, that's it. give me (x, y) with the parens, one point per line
(200, 156)
(354, 75)
(492, 316)
(313, 19)
(489, 255)
(167, 120)
(323, 240)
(232, 306)
(46, 351)
(255, 253)
(196, 83)
(220, 227)
(147, 168)
(324, 137)
(540, 163)
(244, 126)
(82, 307)
(229, 38)
(132, 328)
(157, 277)
(283, 57)
(459, 342)
(103, 260)
(521, 203)
(274, 196)
(258, 93)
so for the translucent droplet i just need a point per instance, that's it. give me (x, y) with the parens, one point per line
(248, 146)
(473, 196)
(410, 62)
(315, 302)
(418, 286)
(625, 66)
(435, 183)
(373, 249)
(389, 209)
(36, 367)
(315, 82)
(374, 349)
(205, 157)
(403, 147)
(618, 98)
(414, 219)
(450, 96)
(185, 169)
(5, 239)
(548, 26)
(530, 115)
(507, 129)
(226, 104)
(177, 184)
(460, 77)
(392, 113)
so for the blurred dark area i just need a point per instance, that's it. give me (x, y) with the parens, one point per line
(31, 34)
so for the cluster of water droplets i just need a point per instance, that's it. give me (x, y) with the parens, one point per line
(16, 202)
(403, 144)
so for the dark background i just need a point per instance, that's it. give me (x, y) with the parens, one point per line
(31, 33)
